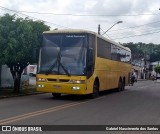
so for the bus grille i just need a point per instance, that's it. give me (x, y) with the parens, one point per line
(52, 79)
(58, 80)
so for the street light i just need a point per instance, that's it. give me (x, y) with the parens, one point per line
(113, 26)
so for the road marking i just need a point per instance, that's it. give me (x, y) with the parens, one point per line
(146, 86)
(143, 87)
(44, 111)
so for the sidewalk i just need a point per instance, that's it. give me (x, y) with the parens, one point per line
(156, 81)
(142, 79)
(8, 92)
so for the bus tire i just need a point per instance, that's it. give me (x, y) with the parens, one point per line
(123, 85)
(56, 95)
(95, 93)
(120, 85)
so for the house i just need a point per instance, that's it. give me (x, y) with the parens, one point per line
(6, 79)
(141, 67)
(153, 64)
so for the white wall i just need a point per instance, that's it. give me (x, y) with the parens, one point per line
(7, 80)
(6, 77)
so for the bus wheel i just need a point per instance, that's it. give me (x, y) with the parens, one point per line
(120, 85)
(123, 85)
(56, 95)
(95, 90)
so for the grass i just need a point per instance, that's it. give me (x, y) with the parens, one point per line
(8, 92)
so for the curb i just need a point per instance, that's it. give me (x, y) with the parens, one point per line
(142, 80)
(19, 95)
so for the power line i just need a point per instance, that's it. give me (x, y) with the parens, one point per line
(135, 26)
(137, 35)
(119, 35)
(87, 15)
(18, 12)
(139, 28)
(105, 33)
(127, 32)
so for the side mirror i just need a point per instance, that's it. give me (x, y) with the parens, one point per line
(90, 63)
(32, 74)
(90, 55)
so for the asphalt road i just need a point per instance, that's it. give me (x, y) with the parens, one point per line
(137, 105)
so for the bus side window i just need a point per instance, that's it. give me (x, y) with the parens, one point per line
(90, 62)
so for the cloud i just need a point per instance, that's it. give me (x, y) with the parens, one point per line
(96, 7)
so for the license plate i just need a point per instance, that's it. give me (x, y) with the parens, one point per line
(56, 86)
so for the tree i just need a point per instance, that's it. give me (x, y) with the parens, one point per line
(157, 69)
(141, 50)
(137, 52)
(19, 37)
(155, 56)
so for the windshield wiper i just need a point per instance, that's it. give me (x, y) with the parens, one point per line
(57, 61)
(65, 70)
(63, 67)
(51, 67)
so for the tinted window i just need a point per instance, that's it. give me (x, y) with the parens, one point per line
(103, 49)
(120, 54)
(90, 56)
(61, 51)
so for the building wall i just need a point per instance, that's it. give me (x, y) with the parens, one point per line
(29, 74)
(6, 77)
(7, 80)
(138, 71)
(153, 64)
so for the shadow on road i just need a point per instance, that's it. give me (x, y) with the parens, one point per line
(83, 97)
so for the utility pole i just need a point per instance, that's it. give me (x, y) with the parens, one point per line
(145, 64)
(0, 74)
(99, 29)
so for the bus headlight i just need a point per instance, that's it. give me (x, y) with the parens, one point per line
(41, 79)
(76, 88)
(77, 81)
(40, 86)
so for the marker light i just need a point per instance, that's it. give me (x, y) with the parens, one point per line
(77, 81)
(41, 79)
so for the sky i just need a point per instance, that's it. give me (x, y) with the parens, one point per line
(140, 18)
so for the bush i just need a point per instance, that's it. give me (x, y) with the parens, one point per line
(157, 69)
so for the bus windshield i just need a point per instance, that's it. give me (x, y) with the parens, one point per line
(63, 54)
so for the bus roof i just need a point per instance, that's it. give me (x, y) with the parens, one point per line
(88, 32)
(70, 31)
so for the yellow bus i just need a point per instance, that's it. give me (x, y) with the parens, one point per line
(81, 62)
